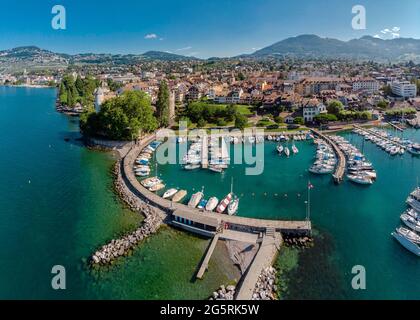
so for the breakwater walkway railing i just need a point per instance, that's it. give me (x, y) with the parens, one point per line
(340, 169)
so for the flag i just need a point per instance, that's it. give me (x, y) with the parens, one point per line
(310, 185)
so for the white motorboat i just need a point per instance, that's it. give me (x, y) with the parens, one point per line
(360, 179)
(287, 152)
(150, 182)
(413, 213)
(142, 173)
(233, 206)
(179, 196)
(413, 203)
(406, 242)
(280, 149)
(192, 166)
(415, 149)
(295, 149)
(216, 168)
(411, 235)
(212, 204)
(169, 193)
(410, 222)
(157, 187)
(416, 194)
(195, 199)
(321, 169)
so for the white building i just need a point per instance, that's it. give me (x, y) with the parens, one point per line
(404, 89)
(312, 109)
(367, 84)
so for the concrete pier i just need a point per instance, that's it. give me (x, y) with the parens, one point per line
(340, 169)
(264, 258)
(205, 262)
(379, 136)
(395, 126)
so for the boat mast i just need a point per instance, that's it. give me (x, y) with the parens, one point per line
(308, 209)
(231, 186)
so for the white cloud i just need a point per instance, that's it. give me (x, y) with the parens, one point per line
(150, 36)
(184, 49)
(377, 36)
(391, 33)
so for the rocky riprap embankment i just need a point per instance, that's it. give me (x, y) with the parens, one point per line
(224, 293)
(265, 288)
(121, 247)
(301, 242)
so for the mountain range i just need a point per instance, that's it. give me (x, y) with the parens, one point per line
(303, 46)
(365, 48)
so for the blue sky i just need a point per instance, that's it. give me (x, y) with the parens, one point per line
(202, 28)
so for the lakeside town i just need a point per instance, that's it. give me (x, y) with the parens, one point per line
(292, 100)
(271, 94)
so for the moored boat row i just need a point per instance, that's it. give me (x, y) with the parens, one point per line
(408, 236)
(359, 170)
(325, 159)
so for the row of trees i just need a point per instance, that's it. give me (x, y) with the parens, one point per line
(400, 112)
(122, 118)
(202, 113)
(76, 91)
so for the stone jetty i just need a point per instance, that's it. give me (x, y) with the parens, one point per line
(300, 242)
(224, 293)
(120, 247)
(265, 288)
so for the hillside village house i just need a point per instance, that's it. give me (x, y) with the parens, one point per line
(312, 109)
(193, 94)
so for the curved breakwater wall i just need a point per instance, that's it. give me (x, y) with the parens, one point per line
(120, 247)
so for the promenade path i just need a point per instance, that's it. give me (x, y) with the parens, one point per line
(263, 259)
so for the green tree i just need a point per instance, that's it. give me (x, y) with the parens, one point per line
(278, 119)
(383, 104)
(121, 118)
(162, 104)
(241, 121)
(299, 120)
(334, 107)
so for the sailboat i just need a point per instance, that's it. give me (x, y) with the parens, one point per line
(295, 149)
(280, 149)
(234, 204)
(287, 152)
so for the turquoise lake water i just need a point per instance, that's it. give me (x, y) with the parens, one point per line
(57, 206)
(357, 219)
